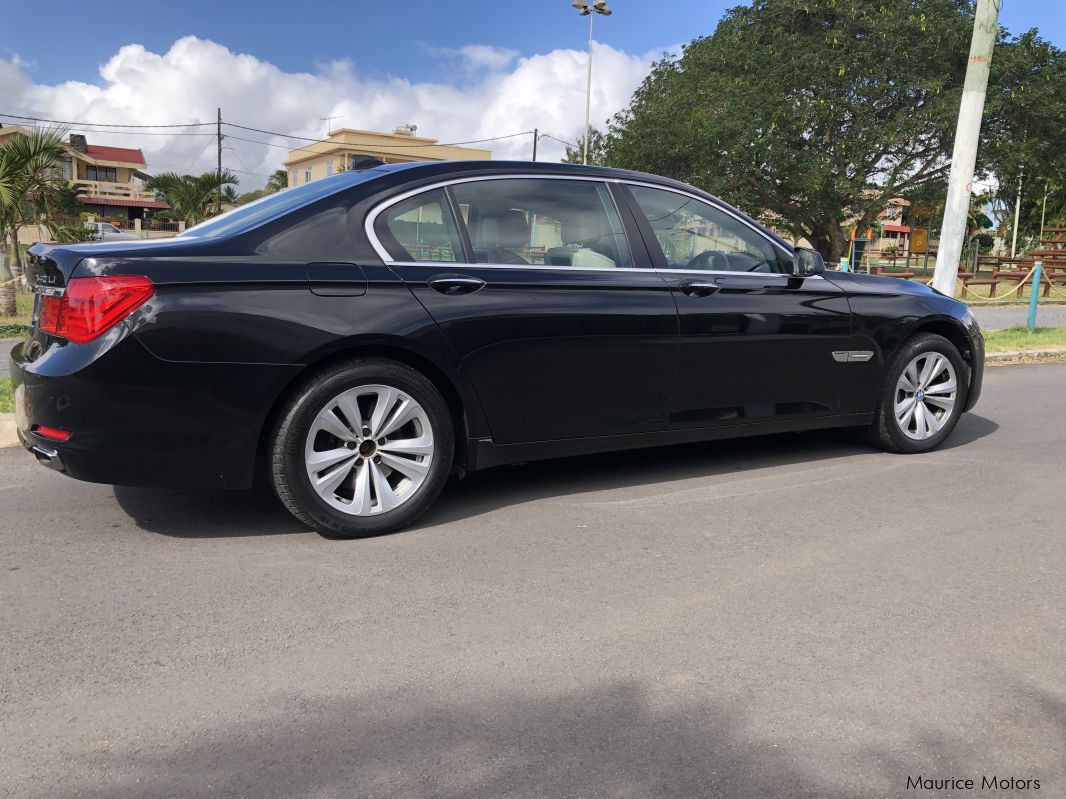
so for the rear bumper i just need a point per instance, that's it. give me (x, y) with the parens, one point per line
(137, 420)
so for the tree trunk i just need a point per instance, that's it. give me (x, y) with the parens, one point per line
(17, 269)
(829, 240)
(7, 292)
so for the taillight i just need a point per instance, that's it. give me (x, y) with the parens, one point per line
(91, 306)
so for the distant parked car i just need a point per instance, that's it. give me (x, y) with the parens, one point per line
(355, 340)
(105, 231)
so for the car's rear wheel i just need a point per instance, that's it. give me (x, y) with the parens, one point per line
(363, 448)
(923, 396)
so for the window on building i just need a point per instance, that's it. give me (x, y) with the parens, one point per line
(307, 175)
(540, 221)
(420, 229)
(100, 173)
(68, 169)
(329, 167)
(696, 235)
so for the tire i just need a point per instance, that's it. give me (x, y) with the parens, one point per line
(369, 483)
(903, 432)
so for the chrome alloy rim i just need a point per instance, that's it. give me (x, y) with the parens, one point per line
(925, 395)
(369, 450)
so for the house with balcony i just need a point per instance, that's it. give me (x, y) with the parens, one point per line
(346, 147)
(110, 179)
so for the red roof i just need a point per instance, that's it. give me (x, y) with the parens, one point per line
(126, 155)
(121, 201)
(898, 228)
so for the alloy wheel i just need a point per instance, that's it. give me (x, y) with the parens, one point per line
(925, 395)
(369, 450)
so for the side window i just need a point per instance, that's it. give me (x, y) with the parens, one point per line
(541, 221)
(696, 235)
(420, 228)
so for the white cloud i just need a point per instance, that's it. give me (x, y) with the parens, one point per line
(506, 94)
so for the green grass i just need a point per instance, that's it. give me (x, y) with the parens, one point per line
(7, 395)
(1019, 338)
(16, 326)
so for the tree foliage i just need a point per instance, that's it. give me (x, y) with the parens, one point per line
(31, 177)
(193, 198)
(597, 149)
(279, 179)
(816, 112)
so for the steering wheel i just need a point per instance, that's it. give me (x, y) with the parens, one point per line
(709, 259)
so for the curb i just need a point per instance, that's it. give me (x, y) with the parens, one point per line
(8, 437)
(1024, 356)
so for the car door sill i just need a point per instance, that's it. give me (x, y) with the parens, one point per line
(484, 453)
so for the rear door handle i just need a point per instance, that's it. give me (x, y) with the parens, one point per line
(452, 285)
(698, 288)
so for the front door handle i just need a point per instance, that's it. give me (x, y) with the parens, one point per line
(452, 285)
(698, 288)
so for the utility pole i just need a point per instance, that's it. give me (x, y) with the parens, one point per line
(536, 136)
(1017, 213)
(218, 205)
(964, 155)
(1043, 214)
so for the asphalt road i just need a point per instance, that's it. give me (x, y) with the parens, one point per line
(795, 616)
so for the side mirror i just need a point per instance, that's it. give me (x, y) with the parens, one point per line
(806, 262)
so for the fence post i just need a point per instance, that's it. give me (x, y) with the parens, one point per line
(137, 227)
(1034, 294)
(181, 226)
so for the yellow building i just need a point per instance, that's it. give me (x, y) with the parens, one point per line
(110, 179)
(336, 153)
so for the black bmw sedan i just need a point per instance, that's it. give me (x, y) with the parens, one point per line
(357, 339)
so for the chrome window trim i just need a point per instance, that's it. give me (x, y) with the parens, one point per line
(537, 267)
(730, 273)
(371, 219)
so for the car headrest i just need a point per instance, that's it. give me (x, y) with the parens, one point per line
(584, 229)
(503, 229)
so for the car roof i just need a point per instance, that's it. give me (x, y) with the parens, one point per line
(416, 169)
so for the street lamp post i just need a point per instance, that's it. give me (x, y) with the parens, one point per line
(586, 10)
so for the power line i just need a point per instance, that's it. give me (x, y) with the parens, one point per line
(107, 124)
(556, 138)
(330, 141)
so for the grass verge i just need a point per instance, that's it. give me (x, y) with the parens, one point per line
(18, 325)
(1019, 338)
(7, 395)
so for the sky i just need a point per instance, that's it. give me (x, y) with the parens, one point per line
(459, 70)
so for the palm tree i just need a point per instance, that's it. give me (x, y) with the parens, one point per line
(31, 177)
(279, 179)
(192, 198)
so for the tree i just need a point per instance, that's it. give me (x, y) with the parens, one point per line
(192, 198)
(279, 179)
(31, 176)
(597, 149)
(819, 111)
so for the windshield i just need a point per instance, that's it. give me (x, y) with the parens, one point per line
(246, 217)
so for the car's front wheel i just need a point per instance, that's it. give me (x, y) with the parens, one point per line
(923, 396)
(363, 448)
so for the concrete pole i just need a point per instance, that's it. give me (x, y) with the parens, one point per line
(964, 156)
(1017, 213)
(1043, 215)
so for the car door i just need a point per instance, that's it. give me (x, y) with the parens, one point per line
(756, 343)
(562, 330)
